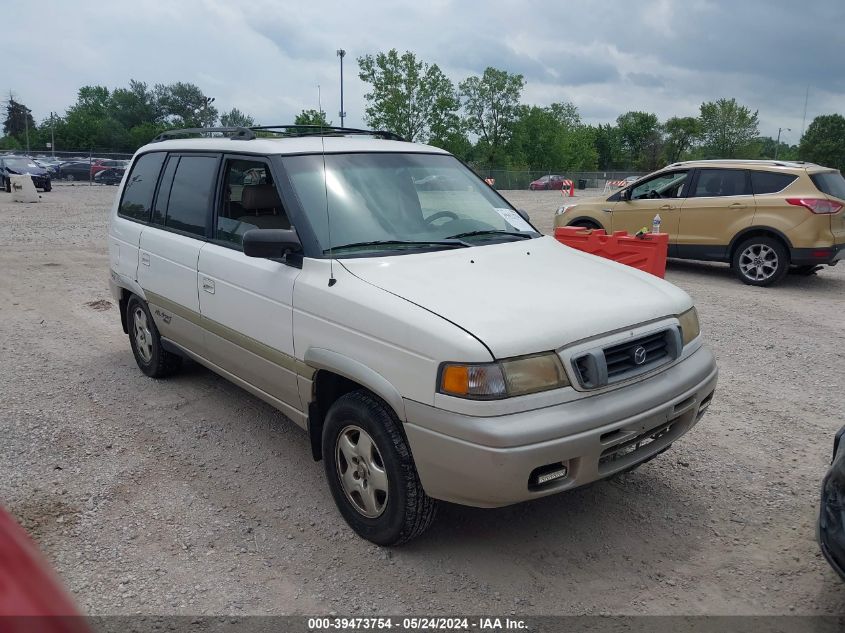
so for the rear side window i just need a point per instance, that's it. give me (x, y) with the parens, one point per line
(715, 183)
(140, 186)
(189, 206)
(830, 182)
(770, 182)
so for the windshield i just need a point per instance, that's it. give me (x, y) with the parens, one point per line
(401, 201)
(20, 163)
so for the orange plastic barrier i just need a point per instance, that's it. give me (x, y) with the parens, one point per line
(647, 253)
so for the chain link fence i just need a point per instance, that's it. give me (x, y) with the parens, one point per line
(522, 179)
(79, 166)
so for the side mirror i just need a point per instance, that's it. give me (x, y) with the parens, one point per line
(625, 194)
(271, 243)
(524, 215)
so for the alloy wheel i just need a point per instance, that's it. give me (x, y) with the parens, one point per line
(143, 336)
(361, 471)
(758, 262)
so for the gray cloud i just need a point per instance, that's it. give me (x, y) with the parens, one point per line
(267, 57)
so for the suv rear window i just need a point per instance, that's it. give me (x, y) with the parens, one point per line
(140, 187)
(770, 181)
(830, 182)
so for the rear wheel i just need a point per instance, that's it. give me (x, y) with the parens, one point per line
(760, 261)
(371, 472)
(152, 358)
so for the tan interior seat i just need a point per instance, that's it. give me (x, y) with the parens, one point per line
(263, 207)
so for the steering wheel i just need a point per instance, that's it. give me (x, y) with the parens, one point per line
(654, 194)
(441, 214)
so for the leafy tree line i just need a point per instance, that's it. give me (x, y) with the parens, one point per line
(481, 119)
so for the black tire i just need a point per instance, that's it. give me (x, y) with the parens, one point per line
(48, 187)
(407, 510)
(769, 252)
(8, 185)
(160, 363)
(586, 224)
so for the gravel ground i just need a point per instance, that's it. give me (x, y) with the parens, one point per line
(190, 496)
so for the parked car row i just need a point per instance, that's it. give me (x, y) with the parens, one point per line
(45, 170)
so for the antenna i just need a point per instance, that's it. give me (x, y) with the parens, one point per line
(332, 280)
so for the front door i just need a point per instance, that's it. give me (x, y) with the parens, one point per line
(661, 194)
(246, 302)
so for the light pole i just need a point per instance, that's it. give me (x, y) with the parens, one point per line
(341, 53)
(26, 113)
(777, 145)
(53, 134)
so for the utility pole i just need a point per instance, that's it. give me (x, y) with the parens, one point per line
(777, 145)
(804, 119)
(341, 53)
(26, 113)
(53, 133)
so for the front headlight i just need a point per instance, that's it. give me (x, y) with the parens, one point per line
(503, 379)
(689, 325)
(564, 209)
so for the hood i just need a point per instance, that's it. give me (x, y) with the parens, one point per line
(32, 171)
(527, 296)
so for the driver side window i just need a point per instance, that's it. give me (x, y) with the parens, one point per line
(666, 185)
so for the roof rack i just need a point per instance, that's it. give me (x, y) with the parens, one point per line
(249, 133)
(236, 133)
(324, 130)
(763, 161)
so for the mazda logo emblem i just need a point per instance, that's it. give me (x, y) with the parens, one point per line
(639, 355)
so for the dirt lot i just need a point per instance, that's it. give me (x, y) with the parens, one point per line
(190, 496)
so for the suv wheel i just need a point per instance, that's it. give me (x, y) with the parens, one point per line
(8, 185)
(371, 473)
(760, 261)
(152, 358)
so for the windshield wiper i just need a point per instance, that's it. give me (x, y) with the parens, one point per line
(489, 232)
(452, 243)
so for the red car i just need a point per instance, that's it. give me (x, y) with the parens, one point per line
(547, 182)
(100, 164)
(30, 594)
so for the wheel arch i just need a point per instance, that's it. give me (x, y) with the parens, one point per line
(757, 231)
(586, 218)
(337, 375)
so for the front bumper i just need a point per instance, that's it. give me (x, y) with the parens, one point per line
(644, 418)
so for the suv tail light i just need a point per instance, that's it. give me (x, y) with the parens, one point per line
(816, 205)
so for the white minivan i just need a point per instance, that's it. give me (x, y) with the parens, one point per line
(430, 341)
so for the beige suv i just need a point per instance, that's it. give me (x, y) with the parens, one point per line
(761, 216)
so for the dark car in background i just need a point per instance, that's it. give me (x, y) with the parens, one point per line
(102, 164)
(20, 165)
(831, 529)
(75, 170)
(109, 176)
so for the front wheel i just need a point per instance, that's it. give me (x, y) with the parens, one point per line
(48, 187)
(8, 185)
(760, 261)
(371, 472)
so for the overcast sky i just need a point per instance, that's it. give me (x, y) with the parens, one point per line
(267, 57)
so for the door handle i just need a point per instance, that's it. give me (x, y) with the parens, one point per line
(608, 210)
(208, 285)
(667, 207)
(145, 259)
(738, 205)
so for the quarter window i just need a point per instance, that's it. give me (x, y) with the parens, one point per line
(717, 183)
(140, 187)
(769, 181)
(190, 195)
(250, 201)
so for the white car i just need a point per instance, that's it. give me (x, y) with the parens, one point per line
(431, 342)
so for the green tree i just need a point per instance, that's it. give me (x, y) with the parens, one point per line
(133, 106)
(18, 119)
(491, 104)
(236, 118)
(681, 135)
(641, 139)
(824, 141)
(312, 117)
(608, 146)
(184, 105)
(408, 96)
(728, 129)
